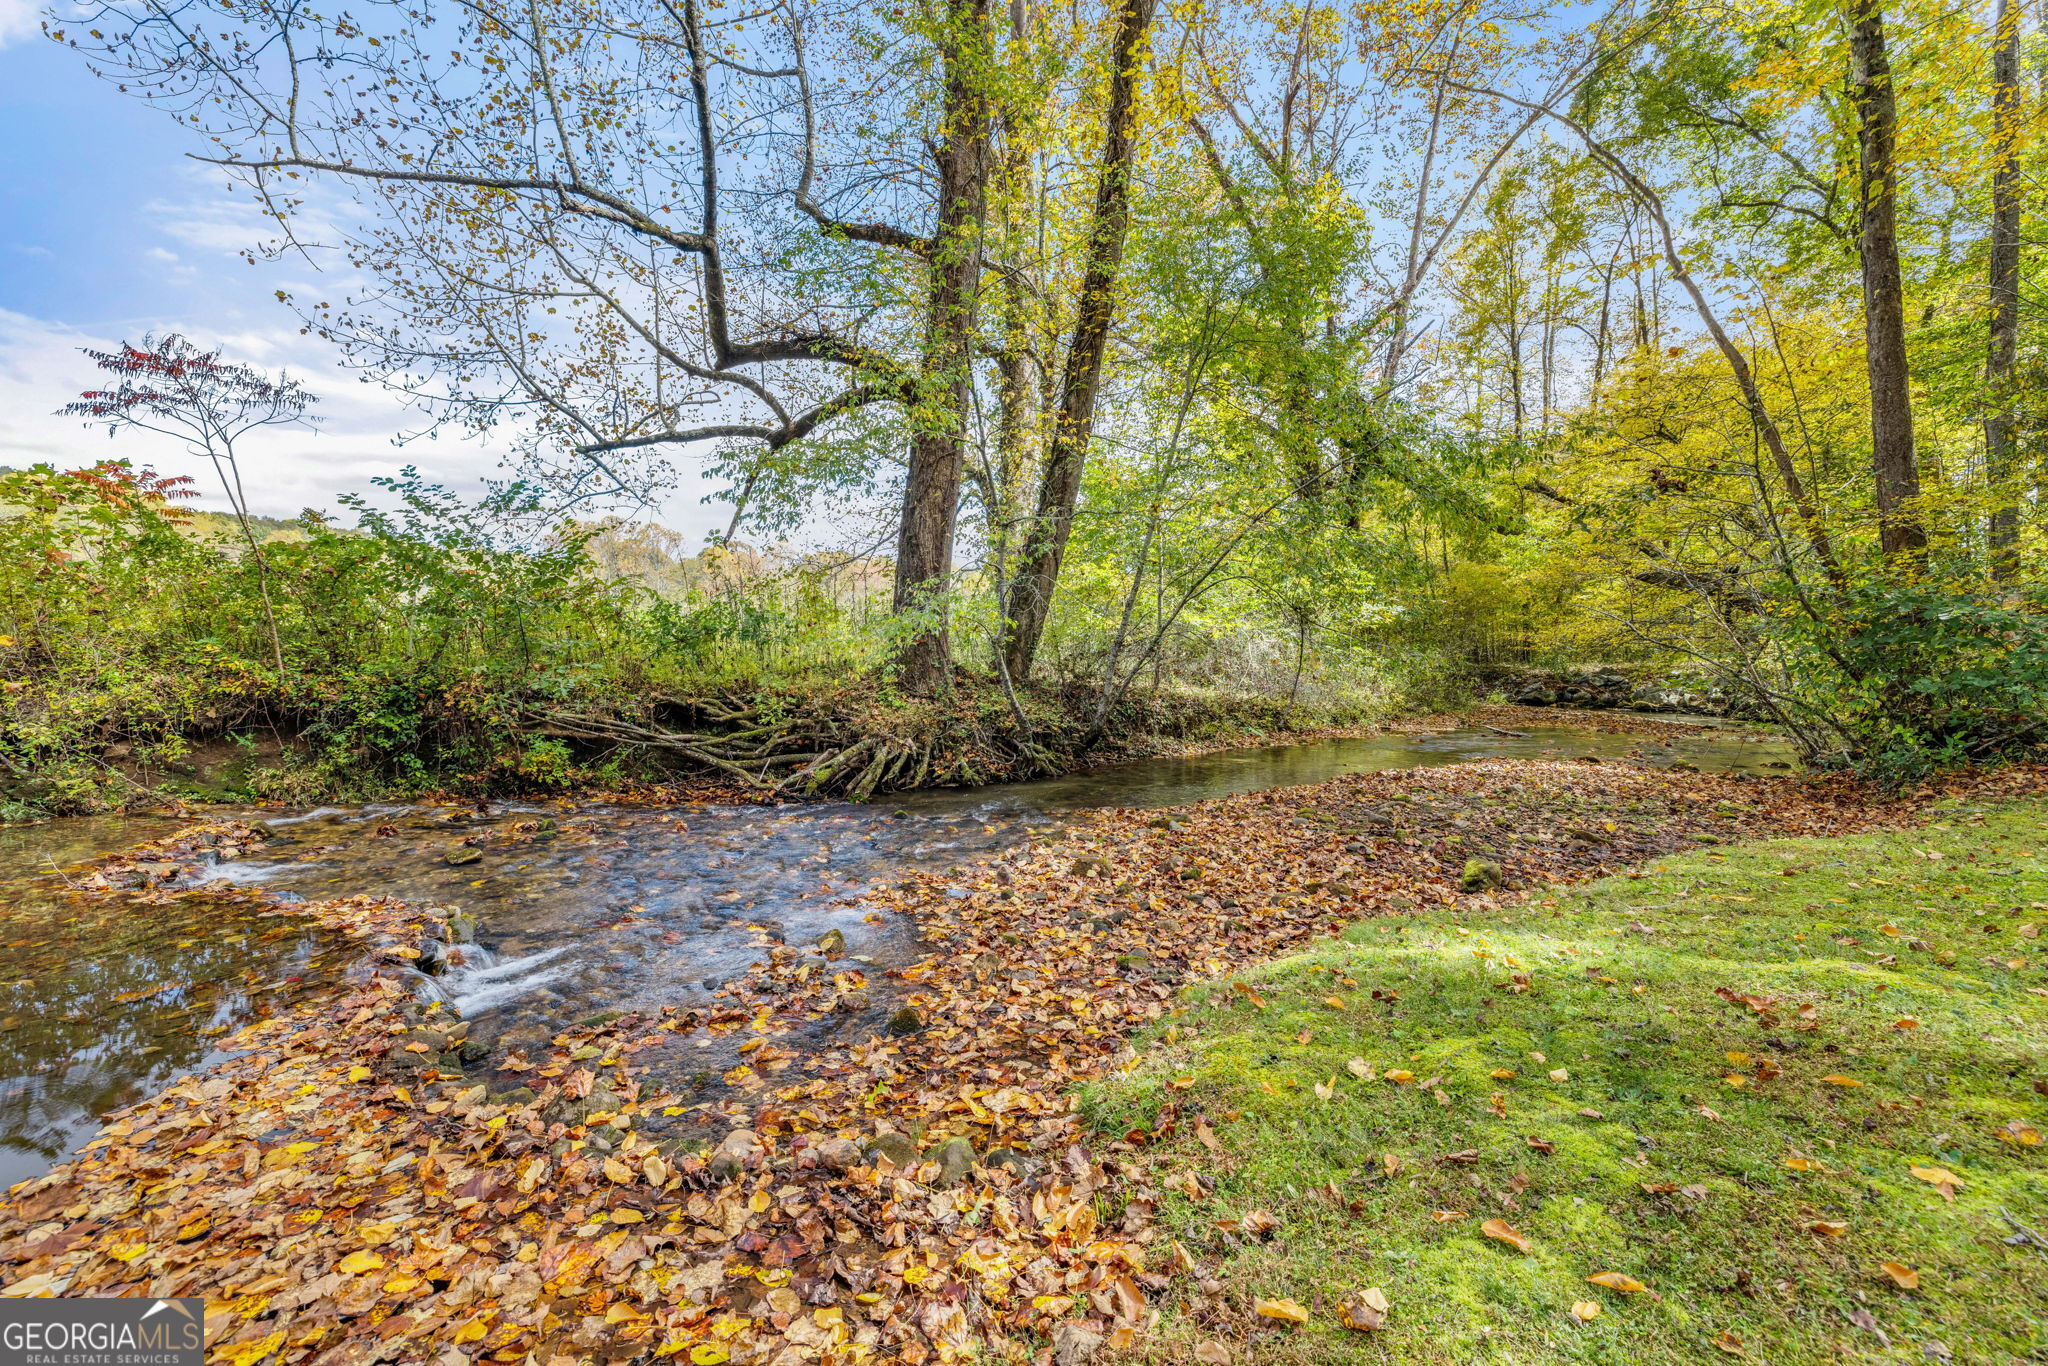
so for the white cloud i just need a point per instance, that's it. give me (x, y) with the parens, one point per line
(18, 19)
(159, 254)
(283, 469)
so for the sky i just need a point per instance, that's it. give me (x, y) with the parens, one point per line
(108, 230)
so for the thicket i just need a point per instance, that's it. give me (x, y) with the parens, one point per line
(440, 645)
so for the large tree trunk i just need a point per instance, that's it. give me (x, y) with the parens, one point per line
(931, 494)
(1892, 456)
(1038, 569)
(2002, 539)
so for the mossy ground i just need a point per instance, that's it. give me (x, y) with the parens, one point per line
(1664, 1168)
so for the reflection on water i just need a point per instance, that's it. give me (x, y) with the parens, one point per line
(107, 999)
(581, 909)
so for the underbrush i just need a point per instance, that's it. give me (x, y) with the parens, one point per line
(1792, 1090)
(439, 647)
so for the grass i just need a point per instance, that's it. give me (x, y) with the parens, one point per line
(1712, 1211)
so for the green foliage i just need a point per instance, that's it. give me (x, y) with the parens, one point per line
(417, 645)
(1914, 675)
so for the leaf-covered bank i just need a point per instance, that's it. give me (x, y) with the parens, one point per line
(337, 1193)
(1776, 1102)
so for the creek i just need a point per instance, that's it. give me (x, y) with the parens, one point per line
(583, 908)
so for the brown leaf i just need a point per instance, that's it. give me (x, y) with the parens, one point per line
(1902, 1276)
(1365, 1312)
(1728, 1343)
(1500, 1231)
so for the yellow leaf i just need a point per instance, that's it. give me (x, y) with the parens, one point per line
(1615, 1280)
(358, 1074)
(1334, 1002)
(1938, 1176)
(356, 1263)
(1559, 1074)
(618, 1171)
(1502, 1073)
(474, 1329)
(1398, 1076)
(1585, 1311)
(1837, 1079)
(709, 1354)
(1728, 1343)
(1903, 1276)
(1324, 1090)
(126, 1245)
(248, 1353)
(760, 1201)
(1447, 1216)
(1828, 1228)
(1801, 1164)
(1287, 1311)
(1500, 1231)
(403, 1284)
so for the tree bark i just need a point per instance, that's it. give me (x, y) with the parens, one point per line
(2002, 538)
(1893, 460)
(1073, 427)
(931, 493)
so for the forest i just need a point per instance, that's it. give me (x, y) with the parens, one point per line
(1372, 689)
(1350, 358)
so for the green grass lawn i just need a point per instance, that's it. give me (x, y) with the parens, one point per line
(1622, 1114)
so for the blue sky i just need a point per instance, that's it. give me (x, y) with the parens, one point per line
(108, 230)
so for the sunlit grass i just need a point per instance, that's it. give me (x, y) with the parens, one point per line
(1663, 1167)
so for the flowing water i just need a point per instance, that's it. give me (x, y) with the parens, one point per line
(583, 909)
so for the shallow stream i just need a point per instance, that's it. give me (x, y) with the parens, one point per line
(584, 909)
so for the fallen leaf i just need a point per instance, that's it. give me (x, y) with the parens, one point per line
(1827, 1228)
(1837, 1079)
(1499, 1231)
(1366, 1313)
(1447, 1216)
(1585, 1311)
(1902, 1276)
(1615, 1280)
(1287, 1311)
(1212, 1353)
(1359, 1067)
(1560, 1074)
(1728, 1343)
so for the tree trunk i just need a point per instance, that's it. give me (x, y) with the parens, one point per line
(931, 494)
(1893, 462)
(1073, 427)
(2002, 540)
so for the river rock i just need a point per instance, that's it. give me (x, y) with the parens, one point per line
(1480, 875)
(1132, 960)
(735, 1153)
(955, 1158)
(832, 943)
(462, 928)
(472, 1052)
(837, 1154)
(896, 1147)
(905, 1020)
(1008, 1157)
(462, 854)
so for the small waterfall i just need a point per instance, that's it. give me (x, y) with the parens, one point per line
(476, 979)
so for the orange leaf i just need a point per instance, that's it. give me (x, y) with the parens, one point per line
(1287, 1311)
(1499, 1231)
(1903, 1276)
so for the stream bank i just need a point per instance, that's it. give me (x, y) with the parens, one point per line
(916, 1193)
